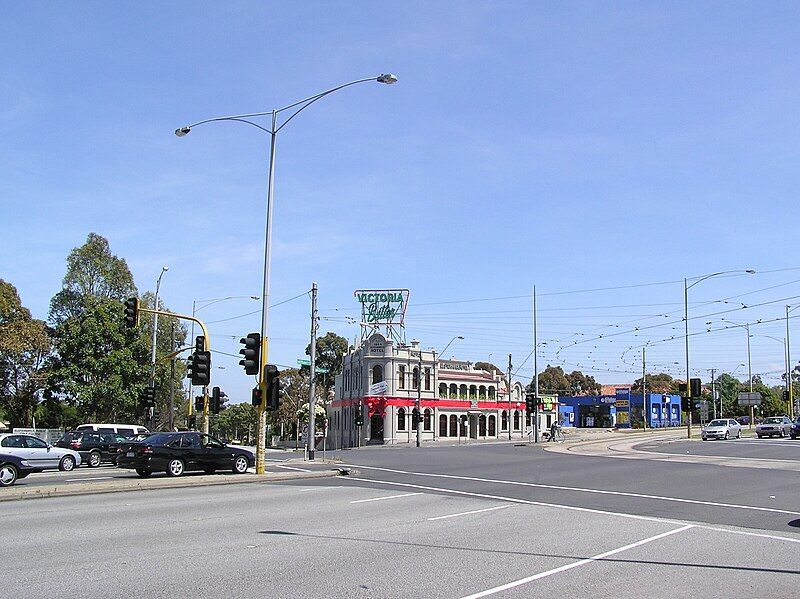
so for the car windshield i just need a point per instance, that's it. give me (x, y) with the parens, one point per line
(718, 423)
(773, 420)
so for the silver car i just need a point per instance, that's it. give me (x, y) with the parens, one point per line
(37, 453)
(774, 426)
(722, 428)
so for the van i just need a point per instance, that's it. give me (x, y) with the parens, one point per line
(126, 430)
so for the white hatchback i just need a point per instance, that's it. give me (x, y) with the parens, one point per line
(38, 454)
(722, 428)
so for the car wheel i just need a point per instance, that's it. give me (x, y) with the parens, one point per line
(705, 438)
(739, 434)
(759, 436)
(8, 475)
(143, 473)
(240, 464)
(175, 467)
(783, 434)
(726, 435)
(210, 470)
(94, 460)
(67, 463)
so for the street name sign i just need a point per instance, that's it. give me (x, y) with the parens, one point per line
(749, 399)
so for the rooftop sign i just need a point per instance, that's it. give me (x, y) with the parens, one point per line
(382, 306)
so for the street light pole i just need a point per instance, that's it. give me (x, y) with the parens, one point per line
(274, 128)
(155, 332)
(686, 288)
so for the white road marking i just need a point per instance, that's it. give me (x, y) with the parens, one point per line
(386, 497)
(317, 489)
(583, 490)
(488, 509)
(79, 480)
(290, 468)
(575, 509)
(565, 567)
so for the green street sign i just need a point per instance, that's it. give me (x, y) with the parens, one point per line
(303, 362)
(323, 370)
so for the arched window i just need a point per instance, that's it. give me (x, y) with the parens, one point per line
(442, 425)
(453, 391)
(401, 419)
(516, 420)
(377, 373)
(463, 426)
(473, 392)
(491, 392)
(482, 425)
(492, 426)
(426, 420)
(415, 378)
(504, 421)
(462, 392)
(482, 392)
(442, 390)
(427, 379)
(401, 381)
(453, 425)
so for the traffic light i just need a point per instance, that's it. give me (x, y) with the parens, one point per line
(258, 397)
(685, 403)
(199, 404)
(132, 312)
(199, 344)
(785, 395)
(218, 400)
(415, 418)
(530, 404)
(201, 368)
(273, 384)
(359, 415)
(148, 397)
(251, 353)
(695, 388)
(682, 389)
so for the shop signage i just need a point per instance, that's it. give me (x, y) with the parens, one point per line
(382, 306)
(622, 403)
(450, 365)
(608, 399)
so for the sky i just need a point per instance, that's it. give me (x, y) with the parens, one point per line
(602, 151)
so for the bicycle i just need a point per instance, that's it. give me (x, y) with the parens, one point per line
(558, 437)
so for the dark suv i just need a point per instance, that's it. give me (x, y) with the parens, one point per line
(94, 448)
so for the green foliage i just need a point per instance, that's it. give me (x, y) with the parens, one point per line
(330, 350)
(582, 384)
(24, 346)
(100, 366)
(656, 383)
(488, 367)
(552, 380)
(238, 422)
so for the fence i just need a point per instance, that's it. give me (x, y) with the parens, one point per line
(48, 435)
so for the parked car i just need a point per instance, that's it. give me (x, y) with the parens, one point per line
(126, 430)
(37, 453)
(794, 432)
(94, 448)
(774, 426)
(12, 468)
(722, 428)
(176, 453)
(743, 420)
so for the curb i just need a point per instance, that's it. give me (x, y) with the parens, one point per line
(123, 485)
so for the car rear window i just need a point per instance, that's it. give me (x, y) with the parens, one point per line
(71, 436)
(125, 432)
(159, 439)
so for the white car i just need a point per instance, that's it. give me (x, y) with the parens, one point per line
(38, 454)
(780, 426)
(722, 428)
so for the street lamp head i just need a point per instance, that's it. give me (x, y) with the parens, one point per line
(386, 78)
(460, 337)
(164, 268)
(180, 132)
(254, 297)
(750, 271)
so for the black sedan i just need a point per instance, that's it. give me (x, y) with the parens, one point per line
(12, 468)
(176, 453)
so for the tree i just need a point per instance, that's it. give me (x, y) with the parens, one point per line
(99, 366)
(295, 385)
(488, 367)
(330, 350)
(728, 389)
(552, 380)
(582, 384)
(656, 383)
(24, 346)
(92, 272)
(237, 422)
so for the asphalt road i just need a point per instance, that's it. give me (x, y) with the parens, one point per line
(481, 520)
(746, 447)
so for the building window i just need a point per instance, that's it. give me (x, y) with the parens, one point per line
(482, 425)
(443, 390)
(426, 420)
(491, 392)
(346, 380)
(453, 391)
(462, 392)
(492, 426)
(482, 392)
(463, 427)
(427, 379)
(415, 378)
(401, 381)
(504, 421)
(443, 425)
(414, 419)
(453, 425)
(377, 373)
(516, 420)
(401, 419)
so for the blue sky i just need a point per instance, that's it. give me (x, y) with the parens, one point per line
(574, 146)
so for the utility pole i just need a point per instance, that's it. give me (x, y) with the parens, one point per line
(419, 398)
(509, 397)
(789, 385)
(535, 375)
(714, 395)
(311, 387)
(645, 412)
(171, 419)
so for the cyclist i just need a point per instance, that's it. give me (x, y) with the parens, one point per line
(553, 430)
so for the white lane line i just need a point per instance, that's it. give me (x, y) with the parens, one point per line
(565, 567)
(386, 497)
(488, 509)
(573, 508)
(79, 480)
(583, 490)
(290, 468)
(317, 489)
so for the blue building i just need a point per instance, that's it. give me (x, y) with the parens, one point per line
(619, 410)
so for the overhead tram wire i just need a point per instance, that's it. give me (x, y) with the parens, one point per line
(259, 310)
